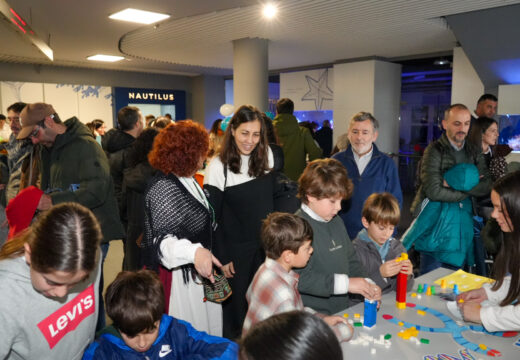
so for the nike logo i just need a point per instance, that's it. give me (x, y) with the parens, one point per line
(165, 350)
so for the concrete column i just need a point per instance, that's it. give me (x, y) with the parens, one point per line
(373, 86)
(208, 96)
(250, 72)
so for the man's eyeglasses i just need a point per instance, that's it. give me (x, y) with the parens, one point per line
(35, 131)
(40, 124)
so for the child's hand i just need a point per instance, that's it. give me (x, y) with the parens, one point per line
(407, 267)
(363, 287)
(343, 330)
(472, 296)
(390, 268)
(471, 312)
(334, 319)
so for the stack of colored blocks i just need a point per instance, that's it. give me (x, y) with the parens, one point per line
(370, 313)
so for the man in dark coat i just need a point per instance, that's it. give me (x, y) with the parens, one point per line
(441, 155)
(73, 168)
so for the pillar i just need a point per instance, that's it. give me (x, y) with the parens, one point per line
(373, 86)
(250, 72)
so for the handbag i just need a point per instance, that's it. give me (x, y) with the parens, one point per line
(218, 291)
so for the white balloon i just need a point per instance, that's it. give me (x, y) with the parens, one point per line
(227, 109)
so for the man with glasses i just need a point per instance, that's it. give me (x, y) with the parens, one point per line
(17, 151)
(73, 168)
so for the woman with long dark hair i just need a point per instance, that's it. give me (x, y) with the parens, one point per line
(483, 137)
(178, 229)
(502, 313)
(241, 191)
(49, 278)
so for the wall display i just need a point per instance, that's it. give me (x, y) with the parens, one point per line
(86, 102)
(309, 90)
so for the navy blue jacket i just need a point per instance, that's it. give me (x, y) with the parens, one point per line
(176, 340)
(380, 175)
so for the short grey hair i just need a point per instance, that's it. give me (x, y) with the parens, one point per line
(362, 116)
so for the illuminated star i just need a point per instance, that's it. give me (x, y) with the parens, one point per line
(318, 89)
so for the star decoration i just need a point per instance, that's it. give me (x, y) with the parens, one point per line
(318, 89)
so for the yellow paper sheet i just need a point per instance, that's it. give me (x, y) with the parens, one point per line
(464, 280)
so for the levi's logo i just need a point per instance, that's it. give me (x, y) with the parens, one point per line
(68, 317)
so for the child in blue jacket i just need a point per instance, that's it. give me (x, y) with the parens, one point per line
(135, 303)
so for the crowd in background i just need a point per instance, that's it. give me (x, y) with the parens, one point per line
(209, 215)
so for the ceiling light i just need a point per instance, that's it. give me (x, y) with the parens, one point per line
(269, 11)
(107, 58)
(441, 61)
(139, 16)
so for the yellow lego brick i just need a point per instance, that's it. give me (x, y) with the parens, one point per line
(400, 323)
(400, 305)
(421, 312)
(482, 346)
(357, 316)
(413, 295)
(413, 331)
(345, 315)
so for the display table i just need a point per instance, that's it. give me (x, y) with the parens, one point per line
(446, 335)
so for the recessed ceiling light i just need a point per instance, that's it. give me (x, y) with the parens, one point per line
(269, 11)
(107, 58)
(139, 16)
(441, 61)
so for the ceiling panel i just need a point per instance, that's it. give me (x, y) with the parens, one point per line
(198, 38)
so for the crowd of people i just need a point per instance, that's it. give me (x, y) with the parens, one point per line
(239, 242)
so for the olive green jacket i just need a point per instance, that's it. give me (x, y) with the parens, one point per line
(296, 142)
(438, 158)
(76, 169)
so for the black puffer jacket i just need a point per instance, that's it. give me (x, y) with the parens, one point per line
(116, 144)
(135, 180)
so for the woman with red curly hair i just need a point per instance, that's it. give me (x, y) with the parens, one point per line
(240, 189)
(178, 225)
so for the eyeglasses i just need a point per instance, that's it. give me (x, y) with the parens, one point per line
(40, 124)
(35, 131)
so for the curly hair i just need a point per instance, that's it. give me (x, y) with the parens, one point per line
(229, 153)
(179, 148)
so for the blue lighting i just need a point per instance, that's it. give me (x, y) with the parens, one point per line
(507, 70)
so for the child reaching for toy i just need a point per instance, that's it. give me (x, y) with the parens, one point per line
(377, 249)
